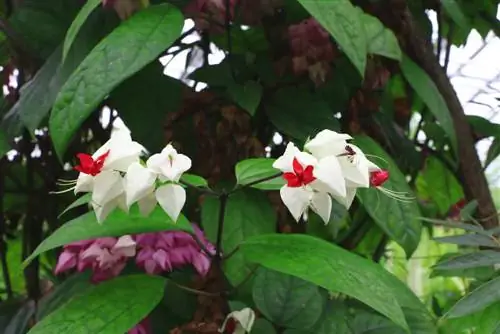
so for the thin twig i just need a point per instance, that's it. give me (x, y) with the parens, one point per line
(220, 228)
(196, 291)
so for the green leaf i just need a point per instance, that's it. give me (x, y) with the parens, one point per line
(78, 22)
(429, 93)
(332, 320)
(477, 300)
(144, 101)
(194, 180)
(493, 152)
(130, 47)
(342, 20)
(454, 11)
(248, 213)
(117, 224)
(251, 170)
(262, 326)
(380, 40)
(247, 96)
(214, 75)
(474, 240)
(286, 300)
(85, 199)
(112, 307)
(328, 266)
(76, 284)
(399, 220)
(300, 114)
(364, 322)
(481, 258)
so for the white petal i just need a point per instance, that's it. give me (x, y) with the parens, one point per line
(147, 204)
(139, 182)
(156, 161)
(372, 167)
(284, 163)
(327, 142)
(296, 200)
(348, 199)
(321, 203)
(306, 159)
(108, 185)
(357, 171)
(84, 183)
(180, 164)
(102, 211)
(245, 318)
(169, 164)
(171, 198)
(329, 177)
(122, 153)
(125, 245)
(121, 202)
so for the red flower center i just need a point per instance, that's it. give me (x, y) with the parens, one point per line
(378, 178)
(90, 166)
(300, 176)
(230, 326)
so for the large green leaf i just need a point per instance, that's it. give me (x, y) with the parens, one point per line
(328, 266)
(246, 95)
(78, 22)
(300, 114)
(130, 47)
(380, 40)
(429, 93)
(334, 319)
(117, 224)
(248, 213)
(112, 307)
(286, 300)
(481, 258)
(252, 170)
(144, 101)
(474, 240)
(343, 21)
(398, 219)
(477, 300)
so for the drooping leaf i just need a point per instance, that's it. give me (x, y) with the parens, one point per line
(130, 47)
(117, 224)
(252, 170)
(318, 261)
(474, 240)
(477, 300)
(248, 213)
(381, 40)
(342, 20)
(286, 300)
(247, 96)
(399, 220)
(144, 101)
(429, 93)
(481, 258)
(300, 114)
(78, 22)
(113, 306)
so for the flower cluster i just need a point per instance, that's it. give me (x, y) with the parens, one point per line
(330, 167)
(117, 177)
(312, 50)
(154, 252)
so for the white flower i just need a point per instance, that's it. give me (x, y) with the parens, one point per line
(100, 173)
(167, 166)
(310, 182)
(238, 322)
(326, 143)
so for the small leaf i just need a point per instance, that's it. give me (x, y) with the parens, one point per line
(85, 199)
(474, 240)
(300, 114)
(398, 219)
(477, 300)
(493, 152)
(342, 20)
(248, 213)
(287, 300)
(481, 258)
(247, 96)
(251, 170)
(130, 47)
(78, 22)
(194, 180)
(429, 93)
(452, 8)
(381, 40)
(113, 306)
(117, 224)
(318, 262)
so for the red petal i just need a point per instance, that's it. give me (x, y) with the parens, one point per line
(292, 180)
(86, 160)
(297, 167)
(230, 326)
(307, 176)
(378, 178)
